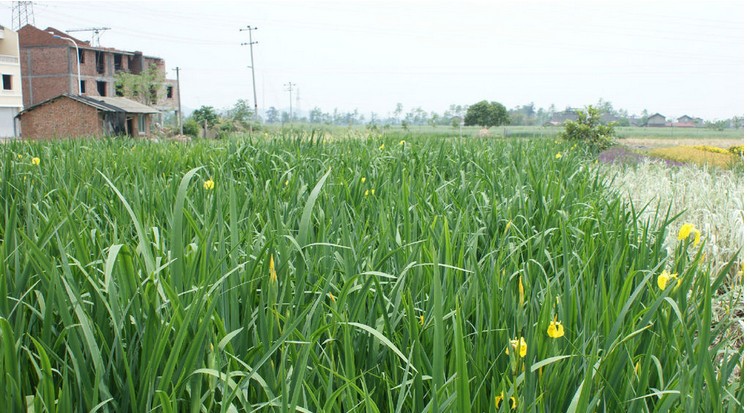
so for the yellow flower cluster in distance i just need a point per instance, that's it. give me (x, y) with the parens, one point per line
(555, 329)
(209, 184)
(381, 147)
(664, 279)
(35, 161)
(686, 230)
(499, 400)
(558, 155)
(521, 345)
(713, 149)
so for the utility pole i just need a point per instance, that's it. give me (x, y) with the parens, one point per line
(251, 55)
(290, 100)
(179, 102)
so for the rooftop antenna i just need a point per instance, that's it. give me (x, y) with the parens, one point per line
(23, 14)
(95, 36)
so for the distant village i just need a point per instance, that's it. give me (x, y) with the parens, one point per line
(56, 85)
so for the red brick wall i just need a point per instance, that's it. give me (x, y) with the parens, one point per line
(135, 132)
(45, 60)
(61, 118)
(52, 64)
(88, 67)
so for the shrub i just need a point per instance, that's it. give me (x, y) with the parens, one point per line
(589, 130)
(192, 128)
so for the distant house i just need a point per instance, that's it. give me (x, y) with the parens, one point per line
(70, 116)
(685, 119)
(608, 118)
(656, 120)
(684, 122)
(560, 117)
(634, 120)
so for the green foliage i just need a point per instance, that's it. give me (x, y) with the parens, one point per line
(192, 128)
(146, 87)
(589, 130)
(486, 114)
(206, 114)
(268, 275)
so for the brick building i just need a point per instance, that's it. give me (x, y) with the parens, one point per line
(49, 68)
(71, 116)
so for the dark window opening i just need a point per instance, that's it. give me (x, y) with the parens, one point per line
(117, 62)
(82, 86)
(81, 56)
(7, 82)
(100, 63)
(170, 92)
(101, 87)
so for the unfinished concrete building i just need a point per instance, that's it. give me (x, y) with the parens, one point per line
(49, 68)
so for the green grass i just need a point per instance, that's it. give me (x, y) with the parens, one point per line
(127, 286)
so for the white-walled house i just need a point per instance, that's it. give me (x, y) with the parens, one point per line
(11, 97)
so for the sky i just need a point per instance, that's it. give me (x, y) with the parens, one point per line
(676, 58)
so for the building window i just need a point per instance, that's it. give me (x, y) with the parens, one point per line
(101, 87)
(170, 92)
(117, 62)
(7, 82)
(141, 124)
(100, 63)
(81, 56)
(82, 86)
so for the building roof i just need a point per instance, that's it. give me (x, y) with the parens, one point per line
(33, 36)
(656, 114)
(127, 105)
(101, 103)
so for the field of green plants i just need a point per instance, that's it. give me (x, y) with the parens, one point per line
(362, 273)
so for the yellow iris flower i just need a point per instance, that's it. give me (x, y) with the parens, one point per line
(686, 230)
(35, 161)
(555, 329)
(209, 184)
(664, 279)
(273, 274)
(499, 400)
(520, 345)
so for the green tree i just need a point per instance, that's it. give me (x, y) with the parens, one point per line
(206, 114)
(589, 130)
(272, 115)
(486, 114)
(241, 113)
(146, 87)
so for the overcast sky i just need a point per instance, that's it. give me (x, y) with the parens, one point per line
(676, 58)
